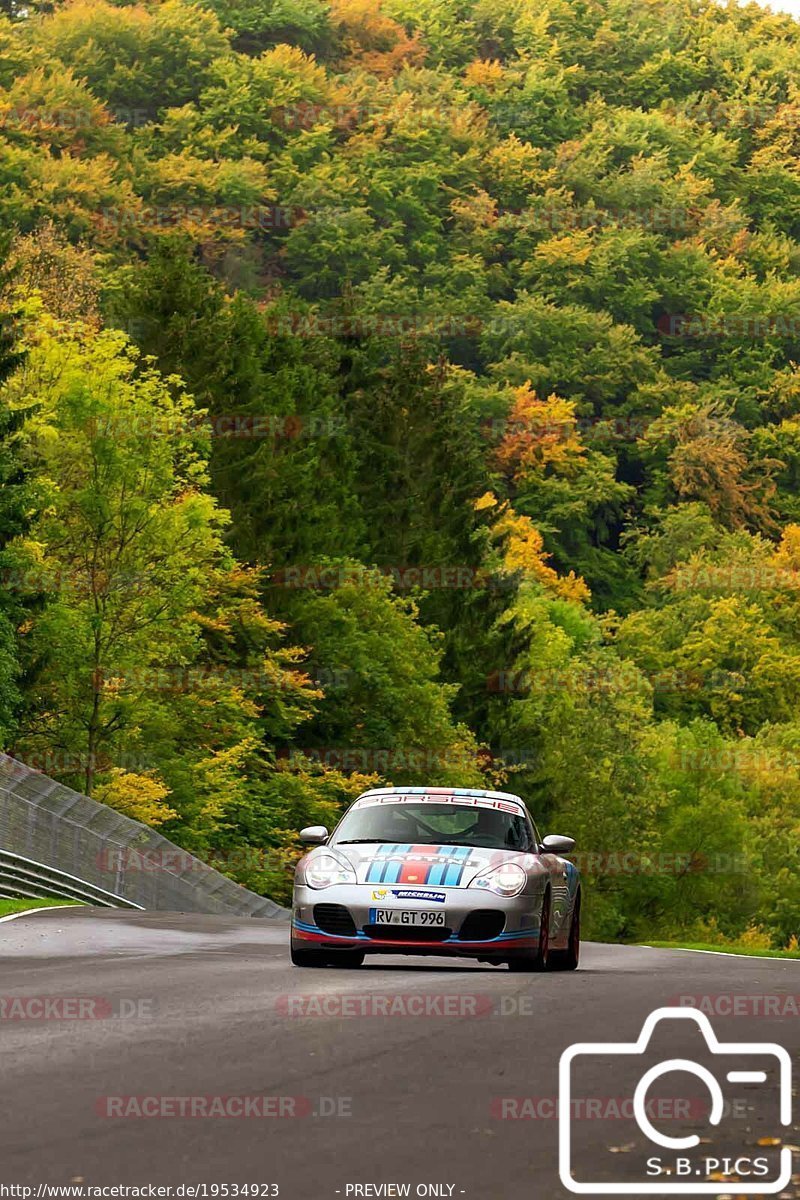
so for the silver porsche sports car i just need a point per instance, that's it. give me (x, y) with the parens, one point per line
(450, 871)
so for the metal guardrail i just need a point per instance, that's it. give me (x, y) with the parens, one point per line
(97, 849)
(23, 877)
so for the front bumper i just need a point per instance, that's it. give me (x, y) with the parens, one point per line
(477, 923)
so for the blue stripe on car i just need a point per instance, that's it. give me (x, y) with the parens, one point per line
(385, 867)
(394, 866)
(456, 869)
(437, 872)
(379, 864)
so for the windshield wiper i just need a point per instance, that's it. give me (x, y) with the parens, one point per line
(357, 841)
(442, 841)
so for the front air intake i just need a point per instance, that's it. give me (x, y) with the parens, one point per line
(482, 925)
(334, 918)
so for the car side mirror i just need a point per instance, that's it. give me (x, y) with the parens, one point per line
(554, 843)
(314, 835)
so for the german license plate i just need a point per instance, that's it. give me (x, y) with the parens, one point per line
(405, 916)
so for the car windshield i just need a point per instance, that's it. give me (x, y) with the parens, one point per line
(427, 824)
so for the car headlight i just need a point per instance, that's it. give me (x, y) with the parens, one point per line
(506, 880)
(328, 869)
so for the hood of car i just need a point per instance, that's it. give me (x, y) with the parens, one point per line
(394, 863)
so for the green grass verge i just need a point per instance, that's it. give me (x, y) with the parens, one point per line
(13, 906)
(745, 950)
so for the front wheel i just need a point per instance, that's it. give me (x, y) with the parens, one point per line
(567, 960)
(539, 959)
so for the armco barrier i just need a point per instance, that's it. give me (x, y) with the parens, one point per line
(22, 877)
(93, 847)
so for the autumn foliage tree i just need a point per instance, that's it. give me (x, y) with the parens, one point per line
(490, 308)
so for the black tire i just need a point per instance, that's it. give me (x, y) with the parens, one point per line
(307, 958)
(346, 958)
(567, 960)
(538, 959)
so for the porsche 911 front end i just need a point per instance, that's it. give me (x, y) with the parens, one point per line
(439, 871)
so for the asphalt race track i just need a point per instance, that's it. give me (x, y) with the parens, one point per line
(187, 1006)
